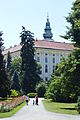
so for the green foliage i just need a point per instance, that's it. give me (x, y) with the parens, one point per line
(65, 82)
(14, 93)
(9, 59)
(73, 32)
(31, 95)
(5, 82)
(78, 105)
(16, 65)
(29, 67)
(16, 82)
(41, 89)
(53, 92)
(58, 107)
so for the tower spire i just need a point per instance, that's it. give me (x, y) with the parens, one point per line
(48, 34)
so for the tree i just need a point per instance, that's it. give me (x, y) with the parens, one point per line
(5, 82)
(9, 59)
(41, 88)
(29, 66)
(65, 82)
(73, 32)
(16, 65)
(15, 82)
(67, 76)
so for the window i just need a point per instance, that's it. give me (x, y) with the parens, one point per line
(53, 69)
(45, 53)
(45, 59)
(38, 59)
(56, 67)
(37, 53)
(46, 70)
(60, 59)
(53, 54)
(53, 60)
(46, 79)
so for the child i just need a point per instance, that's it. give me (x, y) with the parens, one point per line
(33, 102)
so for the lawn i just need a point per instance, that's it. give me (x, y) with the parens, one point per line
(64, 108)
(12, 112)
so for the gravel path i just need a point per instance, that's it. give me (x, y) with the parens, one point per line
(33, 112)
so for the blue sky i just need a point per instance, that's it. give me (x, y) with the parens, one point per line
(32, 14)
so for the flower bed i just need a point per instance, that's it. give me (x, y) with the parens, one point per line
(9, 105)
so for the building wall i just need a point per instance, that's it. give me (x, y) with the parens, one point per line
(53, 57)
(47, 58)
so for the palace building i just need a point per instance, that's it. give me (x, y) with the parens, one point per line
(47, 52)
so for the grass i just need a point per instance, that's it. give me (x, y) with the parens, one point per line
(12, 112)
(64, 108)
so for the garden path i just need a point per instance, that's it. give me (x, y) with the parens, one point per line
(33, 112)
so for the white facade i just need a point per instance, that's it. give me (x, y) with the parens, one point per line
(48, 59)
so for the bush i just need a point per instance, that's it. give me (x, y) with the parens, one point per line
(14, 93)
(41, 89)
(78, 105)
(31, 95)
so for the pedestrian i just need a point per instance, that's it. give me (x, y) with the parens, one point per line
(36, 99)
(27, 99)
(33, 102)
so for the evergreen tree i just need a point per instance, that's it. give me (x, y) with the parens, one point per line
(9, 59)
(15, 81)
(5, 82)
(29, 65)
(73, 32)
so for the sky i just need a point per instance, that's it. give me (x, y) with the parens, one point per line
(32, 14)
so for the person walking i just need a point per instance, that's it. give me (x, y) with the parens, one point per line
(36, 99)
(27, 99)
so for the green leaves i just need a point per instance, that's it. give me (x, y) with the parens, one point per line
(65, 82)
(73, 32)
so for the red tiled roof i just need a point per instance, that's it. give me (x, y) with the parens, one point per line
(44, 44)
(53, 45)
(12, 49)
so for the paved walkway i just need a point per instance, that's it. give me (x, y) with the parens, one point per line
(33, 112)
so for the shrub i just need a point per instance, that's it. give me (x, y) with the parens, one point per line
(14, 93)
(31, 95)
(78, 105)
(41, 89)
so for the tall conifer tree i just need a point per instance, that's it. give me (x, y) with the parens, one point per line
(5, 82)
(29, 66)
(9, 59)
